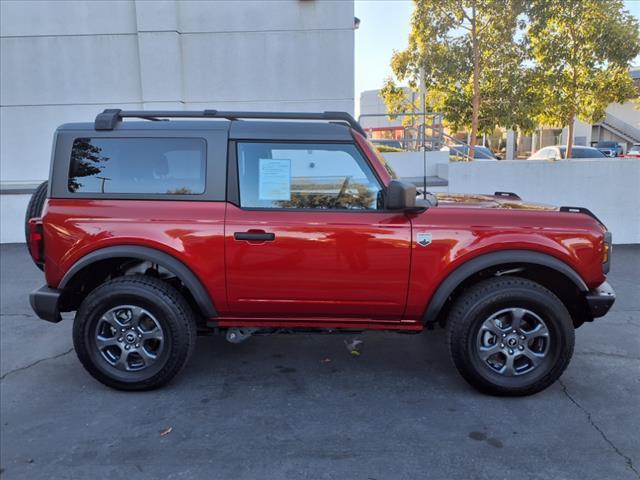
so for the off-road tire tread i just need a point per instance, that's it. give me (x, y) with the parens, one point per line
(458, 331)
(182, 326)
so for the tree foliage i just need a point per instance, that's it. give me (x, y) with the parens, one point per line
(86, 160)
(582, 50)
(515, 63)
(472, 53)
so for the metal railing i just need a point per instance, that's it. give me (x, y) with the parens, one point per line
(622, 127)
(417, 136)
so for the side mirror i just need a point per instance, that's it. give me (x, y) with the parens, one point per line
(400, 196)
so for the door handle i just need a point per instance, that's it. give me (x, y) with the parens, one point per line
(255, 236)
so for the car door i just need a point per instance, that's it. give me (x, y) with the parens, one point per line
(305, 235)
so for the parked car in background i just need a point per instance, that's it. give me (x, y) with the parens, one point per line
(387, 145)
(610, 148)
(460, 153)
(558, 152)
(634, 152)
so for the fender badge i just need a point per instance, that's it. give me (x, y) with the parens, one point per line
(424, 239)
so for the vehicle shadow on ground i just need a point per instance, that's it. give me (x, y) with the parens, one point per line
(387, 361)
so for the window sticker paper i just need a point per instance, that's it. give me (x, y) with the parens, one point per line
(274, 179)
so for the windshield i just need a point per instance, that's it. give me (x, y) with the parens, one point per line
(482, 152)
(383, 160)
(635, 148)
(606, 144)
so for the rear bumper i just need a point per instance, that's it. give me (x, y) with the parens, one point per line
(600, 299)
(44, 302)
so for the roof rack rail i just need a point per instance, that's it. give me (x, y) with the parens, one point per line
(109, 118)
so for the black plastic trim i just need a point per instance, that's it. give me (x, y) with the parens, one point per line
(507, 195)
(190, 280)
(600, 299)
(254, 236)
(108, 119)
(584, 210)
(44, 301)
(233, 180)
(488, 260)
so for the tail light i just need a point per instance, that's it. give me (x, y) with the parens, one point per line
(606, 254)
(36, 240)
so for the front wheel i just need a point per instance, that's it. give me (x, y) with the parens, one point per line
(510, 336)
(134, 333)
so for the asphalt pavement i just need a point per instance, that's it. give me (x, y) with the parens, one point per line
(301, 407)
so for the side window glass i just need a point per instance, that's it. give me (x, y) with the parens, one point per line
(170, 166)
(316, 176)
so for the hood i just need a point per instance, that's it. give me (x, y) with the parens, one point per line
(489, 201)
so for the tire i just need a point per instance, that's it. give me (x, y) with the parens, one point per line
(138, 306)
(494, 359)
(34, 209)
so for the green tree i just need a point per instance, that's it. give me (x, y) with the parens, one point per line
(582, 50)
(472, 53)
(86, 161)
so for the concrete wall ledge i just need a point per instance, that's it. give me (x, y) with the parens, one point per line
(18, 188)
(609, 188)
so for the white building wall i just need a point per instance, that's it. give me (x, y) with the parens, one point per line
(64, 61)
(581, 134)
(411, 164)
(609, 188)
(372, 103)
(628, 112)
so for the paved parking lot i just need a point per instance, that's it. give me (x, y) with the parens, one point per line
(274, 407)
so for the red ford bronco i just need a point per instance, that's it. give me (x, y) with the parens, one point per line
(242, 223)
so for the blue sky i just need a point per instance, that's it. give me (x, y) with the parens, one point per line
(384, 26)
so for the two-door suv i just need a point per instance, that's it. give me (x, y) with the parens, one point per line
(239, 223)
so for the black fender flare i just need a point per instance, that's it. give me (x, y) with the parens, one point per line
(488, 260)
(184, 273)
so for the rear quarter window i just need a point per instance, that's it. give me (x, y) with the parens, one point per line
(163, 166)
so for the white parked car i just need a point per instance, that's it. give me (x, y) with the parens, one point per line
(634, 152)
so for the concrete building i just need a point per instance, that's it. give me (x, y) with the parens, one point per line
(64, 61)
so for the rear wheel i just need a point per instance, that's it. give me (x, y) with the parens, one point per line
(510, 336)
(34, 210)
(134, 333)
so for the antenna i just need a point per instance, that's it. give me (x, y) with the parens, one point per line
(423, 99)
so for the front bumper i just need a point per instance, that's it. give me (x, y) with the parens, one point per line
(600, 299)
(44, 302)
